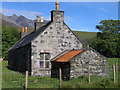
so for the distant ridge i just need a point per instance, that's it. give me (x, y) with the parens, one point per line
(18, 21)
(7, 21)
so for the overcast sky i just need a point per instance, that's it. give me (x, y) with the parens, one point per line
(79, 16)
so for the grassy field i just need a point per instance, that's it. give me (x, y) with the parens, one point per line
(85, 35)
(12, 79)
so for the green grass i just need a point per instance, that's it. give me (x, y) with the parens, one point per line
(12, 79)
(85, 35)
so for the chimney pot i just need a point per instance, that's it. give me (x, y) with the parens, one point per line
(37, 18)
(41, 19)
(57, 5)
(25, 29)
(22, 29)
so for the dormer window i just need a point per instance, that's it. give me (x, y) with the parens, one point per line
(44, 60)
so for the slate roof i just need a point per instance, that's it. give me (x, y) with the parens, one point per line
(67, 55)
(28, 38)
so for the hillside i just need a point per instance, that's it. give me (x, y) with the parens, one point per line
(85, 37)
(19, 21)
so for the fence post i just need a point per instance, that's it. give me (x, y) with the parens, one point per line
(114, 72)
(26, 79)
(60, 76)
(88, 74)
(116, 67)
(1, 59)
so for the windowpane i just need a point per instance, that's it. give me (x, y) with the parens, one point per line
(41, 56)
(41, 64)
(46, 64)
(47, 56)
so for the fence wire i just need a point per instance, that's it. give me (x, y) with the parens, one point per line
(13, 79)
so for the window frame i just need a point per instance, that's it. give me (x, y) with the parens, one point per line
(45, 60)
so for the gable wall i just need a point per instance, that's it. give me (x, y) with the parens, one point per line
(98, 64)
(56, 39)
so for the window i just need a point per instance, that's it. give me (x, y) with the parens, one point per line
(44, 60)
(41, 64)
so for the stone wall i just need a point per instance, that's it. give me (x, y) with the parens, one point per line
(98, 64)
(56, 38)
(18, 59)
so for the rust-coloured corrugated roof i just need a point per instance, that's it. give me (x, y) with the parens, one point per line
(67, 56)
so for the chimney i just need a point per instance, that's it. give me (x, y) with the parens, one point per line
(41, 19)
(24, 32)
(56, 15)
(37, 18)
(39, 24)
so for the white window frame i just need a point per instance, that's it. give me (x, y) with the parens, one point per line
(44, 60)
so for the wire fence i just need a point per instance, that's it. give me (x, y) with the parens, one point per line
(13, 79)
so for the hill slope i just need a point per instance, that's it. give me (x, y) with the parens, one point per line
(85, 37)
(7, 21)
(19, 21)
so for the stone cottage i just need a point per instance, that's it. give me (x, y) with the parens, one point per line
(34, 51)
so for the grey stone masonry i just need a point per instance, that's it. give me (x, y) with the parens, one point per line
(77, 65)
(56, 38)
(98, 64)
(57, 16)
(38, 25)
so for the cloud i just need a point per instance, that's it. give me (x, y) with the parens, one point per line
(28, 14)
(68, 18)
(103, 9)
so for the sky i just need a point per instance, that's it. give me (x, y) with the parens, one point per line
(79, 16)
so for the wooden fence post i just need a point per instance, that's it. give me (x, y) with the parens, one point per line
(1, 59)
(114, 72)
(116, 67)
(88, 74)
(60, 76)
(26, 79)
